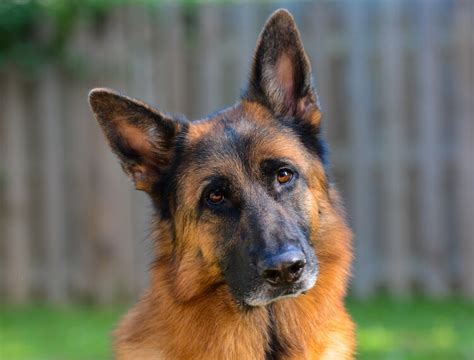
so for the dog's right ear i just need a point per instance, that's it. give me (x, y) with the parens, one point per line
(142, 137)
(280, 76)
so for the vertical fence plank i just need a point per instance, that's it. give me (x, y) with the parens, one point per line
(90, 276)
(51, 124)
(210, 56)
(79, 146)
(395, 172)
(3, 179)
(16, 245)
(360, 132)
(465, 136)
(247, 32)
(177, 82)
(78, 194)
(141, 61)
(432, 229)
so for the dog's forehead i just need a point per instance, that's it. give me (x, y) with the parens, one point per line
(234, 143)
(228, 139)
(242, 118)
(242, 134)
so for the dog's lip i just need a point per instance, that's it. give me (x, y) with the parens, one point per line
(302, 286)
(286, 294)
(292, 291)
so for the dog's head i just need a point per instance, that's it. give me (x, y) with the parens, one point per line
(239, 193)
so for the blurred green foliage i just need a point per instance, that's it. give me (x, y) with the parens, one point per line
(33, 32)
(386, 329)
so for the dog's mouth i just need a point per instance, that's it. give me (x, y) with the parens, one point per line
(266, 294)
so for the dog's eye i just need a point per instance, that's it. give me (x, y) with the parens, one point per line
(284, 175)
(215, 197)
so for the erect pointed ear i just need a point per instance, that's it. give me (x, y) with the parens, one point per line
(142, 137)
(280, 77)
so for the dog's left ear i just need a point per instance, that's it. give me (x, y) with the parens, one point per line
(280, 77)
(142, 137)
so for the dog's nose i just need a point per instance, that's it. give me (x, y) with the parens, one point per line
(282, 269)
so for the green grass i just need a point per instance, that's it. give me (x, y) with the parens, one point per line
(412, 330)
(44, 333)
(387, 329)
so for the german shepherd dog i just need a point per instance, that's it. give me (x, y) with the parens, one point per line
(252, 252)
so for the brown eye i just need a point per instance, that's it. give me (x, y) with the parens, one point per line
(215, 197)
(284, 175)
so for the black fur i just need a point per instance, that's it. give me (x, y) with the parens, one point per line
(277, 349)
(164, 190)
(311, 137)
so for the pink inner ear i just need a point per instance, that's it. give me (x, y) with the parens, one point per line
(285, 77)
(136, 138)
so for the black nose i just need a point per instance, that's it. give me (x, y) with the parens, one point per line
(282, 269)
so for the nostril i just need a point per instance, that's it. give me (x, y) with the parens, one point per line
(296, 268)
(273, 276)
(282, 269)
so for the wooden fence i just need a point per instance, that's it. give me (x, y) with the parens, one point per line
(396, 83)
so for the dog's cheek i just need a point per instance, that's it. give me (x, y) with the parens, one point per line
(195, 266)
(192, 277)
(317, 200)
(210, 257)
(315, 212)
(206, 236)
